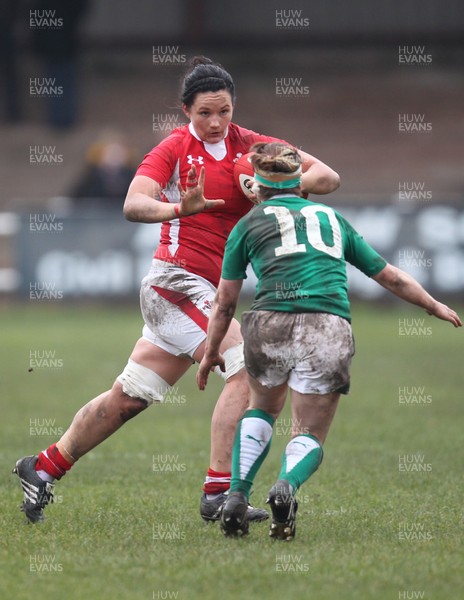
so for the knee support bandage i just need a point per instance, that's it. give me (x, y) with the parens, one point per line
(140, 382)
(234, 361)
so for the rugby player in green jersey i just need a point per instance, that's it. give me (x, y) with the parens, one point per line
(297, 334)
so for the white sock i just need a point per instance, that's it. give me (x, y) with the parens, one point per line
(45, 476)
(255, 434)
(214, 496)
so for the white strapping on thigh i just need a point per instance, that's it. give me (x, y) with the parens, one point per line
(234, 361)
(140, 382)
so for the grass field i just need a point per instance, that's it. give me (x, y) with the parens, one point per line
(126, 524)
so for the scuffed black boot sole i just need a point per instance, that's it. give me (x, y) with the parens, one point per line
(234, 520)
(284, 508)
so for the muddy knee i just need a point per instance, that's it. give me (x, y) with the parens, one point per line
(128, 407)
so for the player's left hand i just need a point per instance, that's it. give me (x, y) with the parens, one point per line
(441, 311)
(207, 364)
(192, 199)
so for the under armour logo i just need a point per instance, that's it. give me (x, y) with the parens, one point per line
(250, 437)
(191, 159)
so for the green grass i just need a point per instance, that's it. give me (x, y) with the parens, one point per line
(100, 536)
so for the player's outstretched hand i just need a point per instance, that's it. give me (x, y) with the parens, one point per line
(441, 311)
(207, 364)
(192, 200)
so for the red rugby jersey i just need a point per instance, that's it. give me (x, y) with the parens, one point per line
(197, 242)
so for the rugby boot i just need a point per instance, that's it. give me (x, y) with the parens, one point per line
(234, 520)
(284, 507)
(37, 492)
(210, 510)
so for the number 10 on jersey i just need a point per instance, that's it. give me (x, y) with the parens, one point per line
(287, 229)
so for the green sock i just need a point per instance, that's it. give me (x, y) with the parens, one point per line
(251, 446)
(300, 460)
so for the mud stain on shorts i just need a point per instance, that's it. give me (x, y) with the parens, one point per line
(158, 312)
(312, 350)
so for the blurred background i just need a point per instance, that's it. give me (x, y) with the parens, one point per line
(89, 86)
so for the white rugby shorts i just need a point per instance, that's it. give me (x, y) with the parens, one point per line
(175, 306)
(312, 352)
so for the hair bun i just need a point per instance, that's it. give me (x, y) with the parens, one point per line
(200, 60)
(275, 157)
(204, 75)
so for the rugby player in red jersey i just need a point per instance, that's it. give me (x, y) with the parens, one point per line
(177, 294)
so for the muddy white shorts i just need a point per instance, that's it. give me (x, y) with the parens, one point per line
(312, 352)
(175, 306)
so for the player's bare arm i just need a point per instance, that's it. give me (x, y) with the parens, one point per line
(222, 313)
(407, 288)
(142, 203)
(317, 178)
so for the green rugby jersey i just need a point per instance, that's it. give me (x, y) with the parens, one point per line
(298, 250)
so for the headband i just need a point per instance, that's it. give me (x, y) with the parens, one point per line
(280, 185)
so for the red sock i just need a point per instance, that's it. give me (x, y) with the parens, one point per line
(52, 462)
(216, 482)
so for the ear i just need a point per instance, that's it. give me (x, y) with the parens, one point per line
(186, 110)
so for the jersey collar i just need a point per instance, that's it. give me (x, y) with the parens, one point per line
(278, 196)
(217, 150)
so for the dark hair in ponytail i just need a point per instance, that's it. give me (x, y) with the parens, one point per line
(205, 76)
